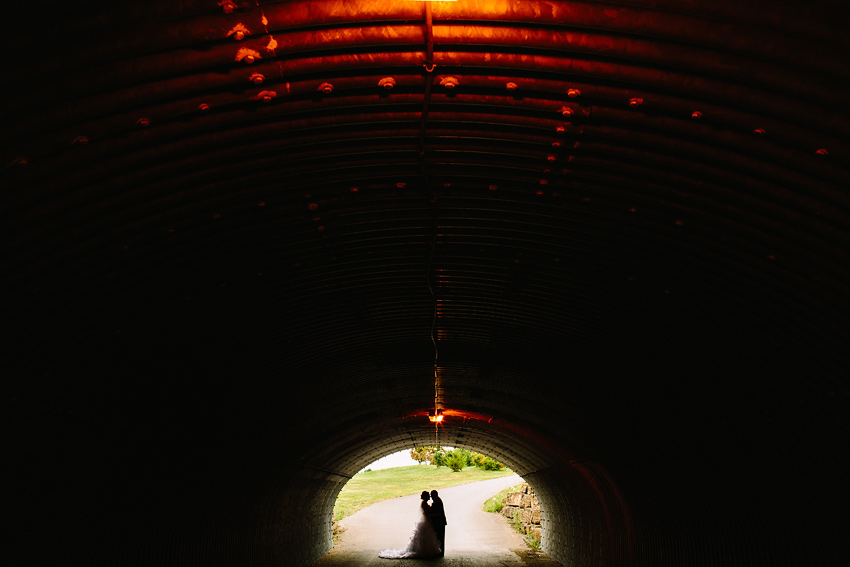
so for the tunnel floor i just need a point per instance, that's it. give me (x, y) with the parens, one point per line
(507, 558)
(473, 538)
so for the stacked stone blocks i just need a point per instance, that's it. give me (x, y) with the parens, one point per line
(524, 505)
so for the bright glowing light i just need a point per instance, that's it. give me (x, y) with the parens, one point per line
(436, 416)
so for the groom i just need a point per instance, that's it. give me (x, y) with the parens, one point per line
(437, 516)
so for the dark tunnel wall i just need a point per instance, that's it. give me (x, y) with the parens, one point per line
(247, 246)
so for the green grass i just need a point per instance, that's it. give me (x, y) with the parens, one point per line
(369, 487)
(494, 503)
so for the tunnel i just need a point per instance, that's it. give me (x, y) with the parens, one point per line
(250, 246)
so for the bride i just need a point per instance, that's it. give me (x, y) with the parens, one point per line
(423, 541)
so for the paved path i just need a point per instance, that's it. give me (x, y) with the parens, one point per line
(473, 538)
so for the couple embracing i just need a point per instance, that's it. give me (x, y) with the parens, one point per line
(429, 534)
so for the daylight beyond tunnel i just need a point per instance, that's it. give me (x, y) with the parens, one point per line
(248, 246)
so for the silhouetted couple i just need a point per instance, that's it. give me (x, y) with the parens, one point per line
(429, 534)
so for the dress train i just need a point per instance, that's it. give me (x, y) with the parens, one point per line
(423, 542)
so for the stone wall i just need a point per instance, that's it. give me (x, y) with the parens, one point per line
(523, 505)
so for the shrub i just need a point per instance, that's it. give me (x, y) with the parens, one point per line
(489, 464)
(439, 458)
(465, 456)
(478, 459)
(456, 460)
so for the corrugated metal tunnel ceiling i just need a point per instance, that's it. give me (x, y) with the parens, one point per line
(249, 245)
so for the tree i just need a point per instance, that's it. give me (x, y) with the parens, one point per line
(422, 454)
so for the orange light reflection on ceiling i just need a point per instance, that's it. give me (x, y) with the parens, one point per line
(453, 413)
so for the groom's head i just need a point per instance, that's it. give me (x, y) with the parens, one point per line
(433, 494)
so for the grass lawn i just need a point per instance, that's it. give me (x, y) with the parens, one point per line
(494, 503)
(368, 487)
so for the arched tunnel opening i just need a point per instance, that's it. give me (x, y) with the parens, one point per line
(247, 246)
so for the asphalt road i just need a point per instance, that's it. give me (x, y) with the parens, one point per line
(473, 538)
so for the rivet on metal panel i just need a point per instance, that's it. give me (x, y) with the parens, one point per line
(80, 140)
(257, 78)
(387, 83)
(635, 102)
(247, 55)
(759, 132)
(143, 122)
(238, 32)
(566, 111)
(227, 6)
(449, 82)
(822, 152)
(326, 88)
(696, 114)
(203, 107)
(266, 96)
(511, 86)
(573, 93)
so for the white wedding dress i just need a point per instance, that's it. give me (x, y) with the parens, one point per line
(423, 541)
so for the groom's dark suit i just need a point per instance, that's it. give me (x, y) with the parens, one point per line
(438, 520)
